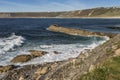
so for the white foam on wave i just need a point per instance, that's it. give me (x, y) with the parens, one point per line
(10, 43)
(66, 51)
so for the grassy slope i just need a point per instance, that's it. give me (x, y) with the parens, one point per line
(94, 12)
(109, 70)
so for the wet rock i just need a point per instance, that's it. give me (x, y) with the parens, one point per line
(25, 57)
(72, 31)
(7, 68)
(55, 52)
(21, 58)
(114, 27)
(37, 53)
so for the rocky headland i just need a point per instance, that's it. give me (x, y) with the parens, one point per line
(78, 32)
(70, 69)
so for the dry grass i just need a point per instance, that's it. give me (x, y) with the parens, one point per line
(110, 70)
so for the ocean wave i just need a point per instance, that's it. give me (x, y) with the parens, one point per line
(10, 42)
(65, 51)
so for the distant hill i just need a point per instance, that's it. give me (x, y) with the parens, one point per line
(92, 13)
(29, 14)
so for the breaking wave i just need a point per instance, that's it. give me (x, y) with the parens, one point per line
(65, 51)
(9, 43)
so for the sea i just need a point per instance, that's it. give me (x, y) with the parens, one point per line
(19, 35)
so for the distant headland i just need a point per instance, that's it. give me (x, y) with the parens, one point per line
(101, 12)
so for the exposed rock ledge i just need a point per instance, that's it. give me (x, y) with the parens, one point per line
(67, 70)
(79, 32)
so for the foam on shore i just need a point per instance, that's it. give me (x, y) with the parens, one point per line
(9, 43)
(65, 51)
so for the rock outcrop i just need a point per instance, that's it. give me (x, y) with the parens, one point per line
(36, 53)
(21, 58)
(7, 68)
(72, 31)
(25, 57)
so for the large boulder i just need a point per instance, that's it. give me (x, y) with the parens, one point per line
(21, 58)
(25, 57)
(37, 53)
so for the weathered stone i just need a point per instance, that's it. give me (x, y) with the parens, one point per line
(38, 77)
(82, 56)
(54, 65)
(7, 68)
(117, 52)
(41, 71)
(92, 67)
(21, 58)
(38, 71)
(21, 78)
(44, 70)
(114, 47)
(36, 53)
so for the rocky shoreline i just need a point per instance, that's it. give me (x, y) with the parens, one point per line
(63, 70)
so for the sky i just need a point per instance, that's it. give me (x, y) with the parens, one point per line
(53, 5)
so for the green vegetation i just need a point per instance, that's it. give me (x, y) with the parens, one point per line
(110, 70)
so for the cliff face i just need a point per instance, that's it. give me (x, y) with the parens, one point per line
(95, 12)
